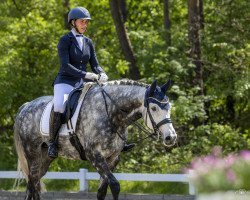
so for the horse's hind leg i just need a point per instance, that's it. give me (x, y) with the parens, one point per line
(99, 162)
(33, 186)
(38, 166)
(103, 186)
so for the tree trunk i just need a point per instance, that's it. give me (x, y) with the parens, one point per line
(124, 11)
(201, 13)
(195, 44)
(167, 22)
(124, 40)
(230, 102)
(67, 8)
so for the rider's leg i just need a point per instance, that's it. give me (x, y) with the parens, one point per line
(61, 92)
(55, 124)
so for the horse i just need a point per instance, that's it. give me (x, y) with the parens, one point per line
(106, 112)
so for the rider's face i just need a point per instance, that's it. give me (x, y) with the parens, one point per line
(81, 25)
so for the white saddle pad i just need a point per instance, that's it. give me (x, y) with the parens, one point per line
(64, 131)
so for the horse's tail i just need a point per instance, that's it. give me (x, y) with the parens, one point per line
(22, 161)
(22, 164)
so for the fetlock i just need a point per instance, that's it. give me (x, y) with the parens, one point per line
(55, 124)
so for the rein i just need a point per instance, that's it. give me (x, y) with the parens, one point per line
(137, 124)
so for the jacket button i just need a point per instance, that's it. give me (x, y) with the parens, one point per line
(81, 61)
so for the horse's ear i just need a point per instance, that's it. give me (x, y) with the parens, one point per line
(152, 89)
(166, 86)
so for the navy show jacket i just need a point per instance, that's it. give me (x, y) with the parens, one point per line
(73, 60)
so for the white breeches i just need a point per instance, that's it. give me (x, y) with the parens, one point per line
(61, 93)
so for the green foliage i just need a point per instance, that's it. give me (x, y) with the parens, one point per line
(28, 38)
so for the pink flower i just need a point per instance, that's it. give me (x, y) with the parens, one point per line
(210, 160)
(231, 176)
(245, 154)
(199, 165)
(196, 163)
(230, 160)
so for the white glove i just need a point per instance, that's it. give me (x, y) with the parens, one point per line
(103, 78)
(91, 76)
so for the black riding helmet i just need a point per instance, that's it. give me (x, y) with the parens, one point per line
(78, 13)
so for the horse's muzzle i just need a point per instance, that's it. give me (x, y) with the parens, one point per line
(170, 140)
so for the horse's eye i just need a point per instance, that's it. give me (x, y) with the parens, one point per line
(153, 108)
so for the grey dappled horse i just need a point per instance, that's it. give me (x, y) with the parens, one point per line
(101, 128)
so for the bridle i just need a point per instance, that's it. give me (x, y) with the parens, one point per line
(156, 126)
(137, 124)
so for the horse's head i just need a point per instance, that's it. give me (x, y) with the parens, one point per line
(157, 112)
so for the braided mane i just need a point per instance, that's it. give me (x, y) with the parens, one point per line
(127, 82)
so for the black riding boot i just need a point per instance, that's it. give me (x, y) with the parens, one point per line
(55, 124)
(128, 147)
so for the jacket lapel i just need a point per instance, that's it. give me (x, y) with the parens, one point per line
(73, 39)
(83, 44)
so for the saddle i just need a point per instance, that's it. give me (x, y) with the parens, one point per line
(71, 103)
(71, 113)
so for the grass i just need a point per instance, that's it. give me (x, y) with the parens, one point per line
(126, 187)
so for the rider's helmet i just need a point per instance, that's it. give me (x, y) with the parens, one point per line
(78, 13)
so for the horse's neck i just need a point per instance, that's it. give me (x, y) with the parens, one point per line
(128, 98)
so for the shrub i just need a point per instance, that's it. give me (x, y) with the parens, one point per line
(215, 172)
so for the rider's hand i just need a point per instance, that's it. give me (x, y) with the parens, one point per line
(91, 76)
(103, 78)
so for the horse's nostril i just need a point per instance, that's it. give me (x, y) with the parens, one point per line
(168, 138)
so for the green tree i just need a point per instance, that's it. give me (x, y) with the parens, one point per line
(28, 65)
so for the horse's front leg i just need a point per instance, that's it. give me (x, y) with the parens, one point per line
(102, 189)
(101, 165)
(103, 186)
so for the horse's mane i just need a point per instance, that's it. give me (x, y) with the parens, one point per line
(127, 82)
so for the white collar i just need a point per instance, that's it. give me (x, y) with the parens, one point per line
(74, 32)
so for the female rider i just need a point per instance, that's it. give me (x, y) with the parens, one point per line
(75, 52)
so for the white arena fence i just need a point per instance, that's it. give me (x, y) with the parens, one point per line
(84, 176)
